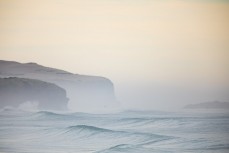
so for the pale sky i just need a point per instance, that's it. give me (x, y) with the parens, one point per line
(158, 54)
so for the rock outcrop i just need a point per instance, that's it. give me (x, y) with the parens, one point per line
(21, 92)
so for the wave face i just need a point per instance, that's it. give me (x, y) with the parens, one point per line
(126, 132)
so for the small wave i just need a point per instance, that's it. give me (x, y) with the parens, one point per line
(49, 115)
(13, 112)
(154, 122)
(85, 131)
(125, 148)
(218, 147)
(87, 128)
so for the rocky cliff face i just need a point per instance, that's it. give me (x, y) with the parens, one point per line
(85, 93)
(20, 92)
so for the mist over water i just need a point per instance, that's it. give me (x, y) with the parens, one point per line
(144, 55)
(129, 131)
(95, 121)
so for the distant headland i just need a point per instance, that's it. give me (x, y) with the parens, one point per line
(85, 93)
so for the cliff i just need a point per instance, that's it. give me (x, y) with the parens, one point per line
(85, 93)
(20, 92)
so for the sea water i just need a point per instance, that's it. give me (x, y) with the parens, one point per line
(125, 132)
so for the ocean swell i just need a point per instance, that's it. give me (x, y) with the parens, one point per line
(44, 131)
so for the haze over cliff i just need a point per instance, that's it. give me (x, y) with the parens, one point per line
(85, 93)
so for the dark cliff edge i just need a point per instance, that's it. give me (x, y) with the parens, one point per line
(15, 92)
(209, 105)
(85, 93)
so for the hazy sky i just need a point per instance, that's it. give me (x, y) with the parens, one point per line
(159, 54)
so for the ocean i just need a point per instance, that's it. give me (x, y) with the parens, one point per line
(124, 132)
